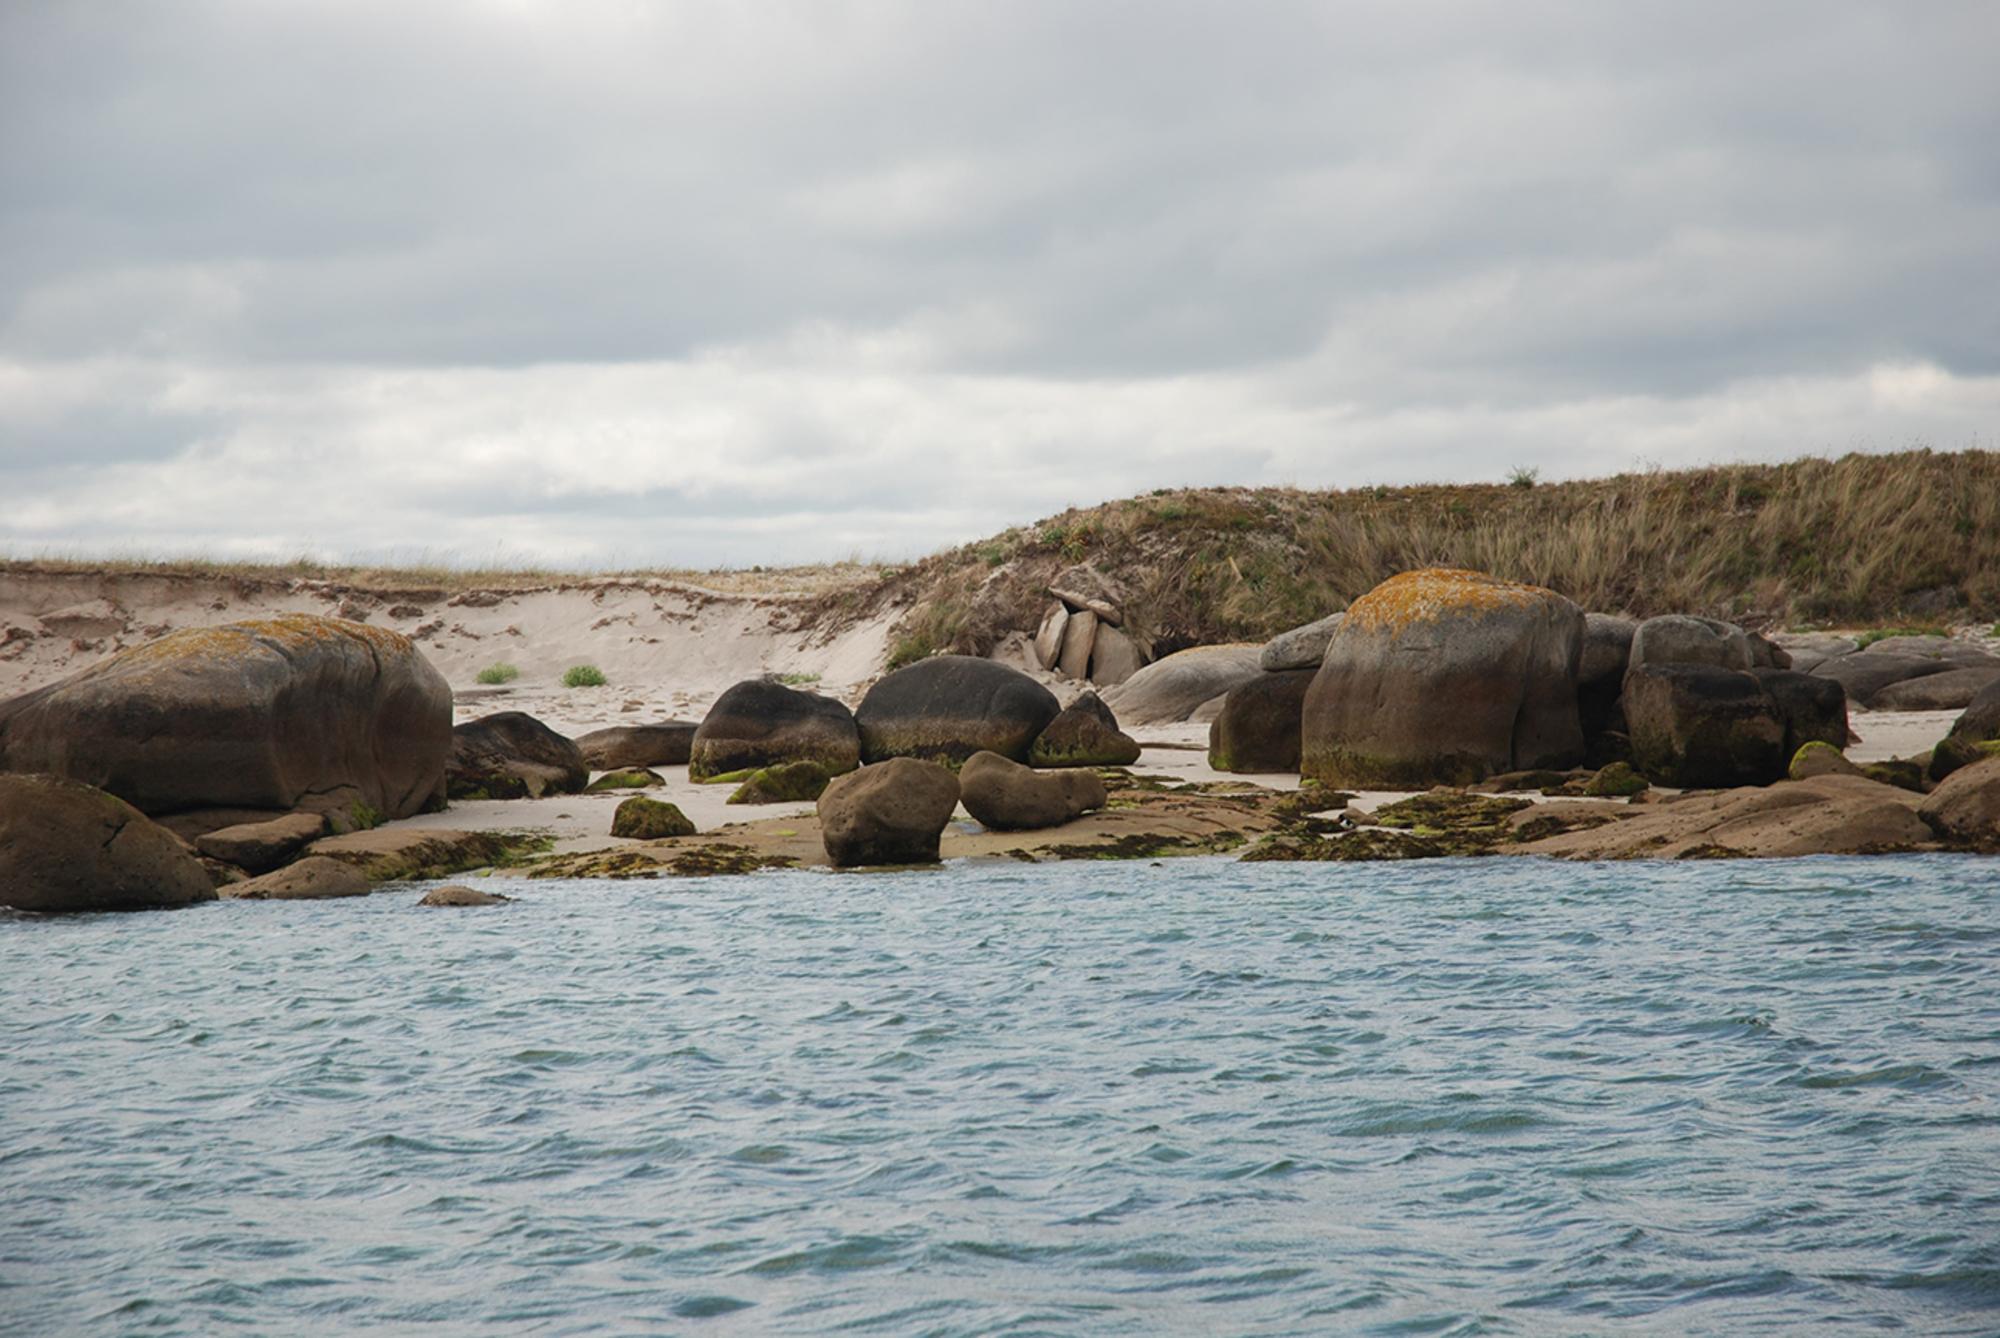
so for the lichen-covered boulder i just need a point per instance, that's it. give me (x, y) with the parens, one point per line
(1965, 807)
(891, 812)
(277, 713)
(1301, 647)
(762, 723)
(1085, 734)
(948, 707)
(1809, 707)
(666, 744)
(1257, 730)
(1678, 638)
(67, 846)
(1005, 796)
(643, 819)
(1700, 726)
(1172, 689)
(1445, 677)
(786, 783)
(512, 755)
(1819, 758)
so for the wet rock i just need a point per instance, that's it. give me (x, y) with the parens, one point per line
(66, 846)
(1445, 677)
(262, 846)
(1301, 647)
(1257, 730)
(512, 755)
(415, 854)
(666, 744)
(786, 783)
(643, 819)
(1084, 734)
(1003, 795)
(1965, 807)
(759, 723)
(887, 813)
(278, 714)
(313, 878)
(948, 707)
(631, 778)
(1699, 726)
(454, 894)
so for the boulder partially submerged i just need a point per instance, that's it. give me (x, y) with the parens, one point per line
(887, 813)
(67, 846)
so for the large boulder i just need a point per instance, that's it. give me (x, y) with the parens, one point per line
(512, 755)
(1700, 726)
(1865, 674)
(666, 744)
(1981, 718)
(1678, 638)
(1168, 691)
(67, 846)
(889, 812)
(1114, 656)
(762, 723)
(1811, 709)
(1965, 807)
(1443, 676)
(1085, 734)
(1952, 690)
(1301, 647)
(1005, 796)
(279, 713)
(948, 707)
(1607, 648)
(1258, 727)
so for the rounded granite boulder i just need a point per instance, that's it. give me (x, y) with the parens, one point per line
(948, 707)
(1258, 728)
(1005, 796)
(1443, 676)
(67, 846)
(277, 713)
(1085, 734)
(762, 723)
(512, 755)
(891, 812)
(1701, 726)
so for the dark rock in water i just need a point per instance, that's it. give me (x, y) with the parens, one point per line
(66, 846)
(889, 812)
(786, 783)
(642, 819)
(1168, 691)
(1699, 726)
(666, 744)
(1445, 677)
(262, 846)
(948, 707)
(1811, 708)
(759, 723)
(1866, 673)
(1257, 730)
(1965, 808)
(1301, 647)
(311, 879)
(1005, 796)
(630, 778)
(1084, 734)
(277, 714)
(453, 894)
(1952, 690)
(512, 755)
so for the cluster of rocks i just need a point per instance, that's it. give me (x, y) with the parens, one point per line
(1082, 635)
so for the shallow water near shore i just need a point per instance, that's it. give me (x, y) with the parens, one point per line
(1196, 1096)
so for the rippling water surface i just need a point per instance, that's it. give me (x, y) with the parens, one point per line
(1198, 1097)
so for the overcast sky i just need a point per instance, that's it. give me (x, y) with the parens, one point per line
(629, 283)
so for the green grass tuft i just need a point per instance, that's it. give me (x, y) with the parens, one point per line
(498, 673)
(583, 676)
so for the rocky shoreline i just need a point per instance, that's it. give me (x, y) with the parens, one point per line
(1444, 714)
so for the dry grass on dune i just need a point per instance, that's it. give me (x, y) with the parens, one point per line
(1861, 539)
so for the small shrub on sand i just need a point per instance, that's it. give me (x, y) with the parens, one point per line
(498, 673)
(583, 676)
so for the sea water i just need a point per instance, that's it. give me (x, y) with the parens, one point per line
(1451, 1097)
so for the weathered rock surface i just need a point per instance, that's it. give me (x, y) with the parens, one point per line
(66, 846)
(279, 713)
(643, 819)
(760, 723)
(1607, 648)
(1301, 647)
(512, 755)
(1981, 719)
(387, 853)
(666, 744)
(1258, 728)
(1700, 726)
(1950, 650)
(1084, 587)
(455, 894)
(1809, 707)
(1952, 690)
(890, 812)
(1078, 638)
(1866, 673)
(311, 879)
(630, 778)
(786, 783)
(1168, 691)
(1965, 807)
(1445, 677)
(1677, 638)
(1114, 656)
(1049, 636)
(1819, 758)
(1084, 734)
(1808, 650)
(262, 846)
(1826, 815)
(1005, 796)
(948, 707)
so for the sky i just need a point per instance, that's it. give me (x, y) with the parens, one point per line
(609, 284)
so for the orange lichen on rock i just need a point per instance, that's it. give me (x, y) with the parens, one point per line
(284, 634)
(1429, 593)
